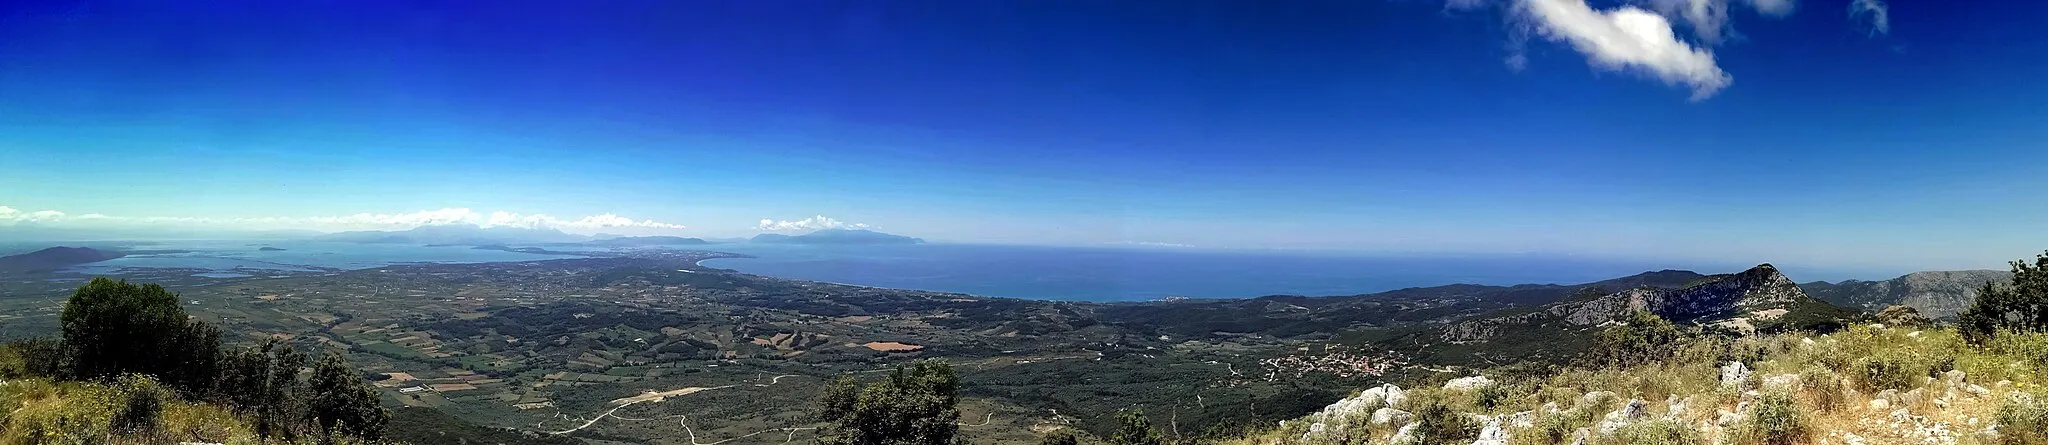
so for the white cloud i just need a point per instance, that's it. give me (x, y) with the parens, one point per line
(1875, 14)
(1709, 18)
(819, 222)
(1627, 38)
(359, 221)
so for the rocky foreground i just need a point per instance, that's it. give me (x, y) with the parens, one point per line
(1866, 385)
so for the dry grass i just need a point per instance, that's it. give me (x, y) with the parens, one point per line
(1830, 401)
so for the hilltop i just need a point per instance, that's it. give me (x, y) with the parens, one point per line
(55, 258)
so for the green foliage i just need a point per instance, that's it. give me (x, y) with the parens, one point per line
(2023, 421)
(342, 402)
(142, 406)
(1775, 419)
(34, 357)
(1887, 370)
(1436, 422)
(265, 386)
(1132, 428)
(1824, 389)
(1642, 338)
(1059, 438)
(2019, 306)
(111, 328)
(1656, 432)
(914, 406)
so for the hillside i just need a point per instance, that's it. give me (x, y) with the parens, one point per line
(1936, 294)
(1756, 300)
(54, 258)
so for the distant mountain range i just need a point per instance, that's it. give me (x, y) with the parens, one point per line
(1936, 294)
(54, 258)
(469, 235)
(836, 236)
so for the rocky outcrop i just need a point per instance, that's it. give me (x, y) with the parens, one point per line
(1755, 295)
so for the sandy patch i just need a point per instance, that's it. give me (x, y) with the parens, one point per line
(1769, 314)
(652, 396)
(892, 346)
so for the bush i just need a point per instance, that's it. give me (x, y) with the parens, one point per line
(2023, 422)
(1642, 338)
(142, 405)
(1888, 370)
(1824, 389)
(1058, 438)
(1656, 432)
(1436, 422)
(1774, 420)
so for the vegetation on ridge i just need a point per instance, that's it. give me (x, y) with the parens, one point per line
(133, 367)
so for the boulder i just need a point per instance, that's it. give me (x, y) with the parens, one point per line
(1880, 404)
(1634, 410)
(1404, 436)
(1595, 397)
(1782, 382)
(1493, 433)
(1390, 416)
(1468, 383)
(1734, 375)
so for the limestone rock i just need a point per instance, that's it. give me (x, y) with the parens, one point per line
(1468, 383)
(1734, 375)
(1492, 433)
(1782, 382)
(1390, 416)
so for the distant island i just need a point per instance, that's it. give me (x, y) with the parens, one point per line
(532, 250)
(55, 258)
(836, 237)
(637, 241)
(270, 249)
(456, 235)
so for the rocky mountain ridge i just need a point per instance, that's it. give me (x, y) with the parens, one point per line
(1936, 294)
(1760, 297)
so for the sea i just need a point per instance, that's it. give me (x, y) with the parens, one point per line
(1036, 272)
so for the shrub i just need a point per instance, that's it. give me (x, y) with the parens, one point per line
(142, 404)
(1887, 370)
(1774, 420)
(1058, 438)
(2023, 421)
(1657, 432)
(1436, 422)
(1824, 389)
(1642, 338)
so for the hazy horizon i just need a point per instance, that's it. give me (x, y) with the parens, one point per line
(1845, 135)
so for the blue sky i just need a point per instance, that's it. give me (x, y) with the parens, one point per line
(1770, 131)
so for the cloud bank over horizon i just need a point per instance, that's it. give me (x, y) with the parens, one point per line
(10, 216)
(819, 222)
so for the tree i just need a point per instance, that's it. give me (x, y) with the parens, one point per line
(263, 383)
(2018, 306)
(1133, 429)
(342, 402)
(914, 406)
(113, 327)
(1058, 438)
